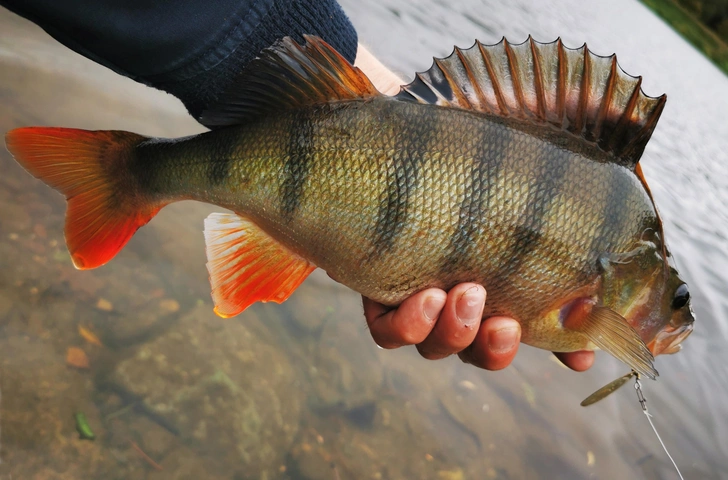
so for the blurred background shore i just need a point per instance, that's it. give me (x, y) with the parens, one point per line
(703, 23)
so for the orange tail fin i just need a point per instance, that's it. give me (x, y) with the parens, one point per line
(105, 207)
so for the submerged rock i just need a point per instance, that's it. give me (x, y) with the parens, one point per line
(222, 386)
(40, 396)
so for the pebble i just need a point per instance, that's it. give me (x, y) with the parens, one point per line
(40, 230)
(467, 385)
(75, 357)
(169, 305)
(104, 305)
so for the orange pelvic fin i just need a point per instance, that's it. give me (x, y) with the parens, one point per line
(246, 265)
(89, 168)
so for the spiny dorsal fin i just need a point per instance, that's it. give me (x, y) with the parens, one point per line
(546, 83)
(288, 76)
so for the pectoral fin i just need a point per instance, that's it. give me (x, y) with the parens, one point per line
(612, 333)
(246, 265)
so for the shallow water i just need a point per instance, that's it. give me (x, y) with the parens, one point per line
(299, 390)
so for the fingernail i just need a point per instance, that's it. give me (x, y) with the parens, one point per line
(433, 307)
(503, 340)
(470, 306)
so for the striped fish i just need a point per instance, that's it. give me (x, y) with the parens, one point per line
(513, 166)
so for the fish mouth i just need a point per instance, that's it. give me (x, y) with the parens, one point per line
(669, 340)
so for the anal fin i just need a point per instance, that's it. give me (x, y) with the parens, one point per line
(246, 265)
(611, 332)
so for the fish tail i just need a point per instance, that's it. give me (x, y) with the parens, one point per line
(91, 168)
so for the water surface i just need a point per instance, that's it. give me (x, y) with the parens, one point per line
(299, 390)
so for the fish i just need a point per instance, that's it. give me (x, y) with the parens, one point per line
(510, 165)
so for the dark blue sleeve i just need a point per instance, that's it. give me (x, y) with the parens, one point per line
(192, 49)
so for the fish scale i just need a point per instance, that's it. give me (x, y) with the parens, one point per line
(515, 167)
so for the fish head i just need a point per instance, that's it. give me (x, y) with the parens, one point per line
(675, 307)
(659, 311)
(653, 298)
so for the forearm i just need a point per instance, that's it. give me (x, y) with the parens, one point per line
(192, 49)
(384, 79)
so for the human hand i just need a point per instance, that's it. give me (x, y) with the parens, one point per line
(433, 319)
(441, 324)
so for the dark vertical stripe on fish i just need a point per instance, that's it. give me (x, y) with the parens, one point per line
(487, 163)
(402, 179)
(153, 162)
(147, 166)
(297, 164)
(616, 202)
(549, 180)
(221, 158)
(218, 168)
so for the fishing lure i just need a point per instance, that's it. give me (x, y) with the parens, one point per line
(616, 384)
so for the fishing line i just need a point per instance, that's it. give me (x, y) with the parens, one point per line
(643, 403)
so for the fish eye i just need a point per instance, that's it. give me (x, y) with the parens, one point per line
(682, 295)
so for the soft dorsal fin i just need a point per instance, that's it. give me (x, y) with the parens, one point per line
(546, 83)
(288, 76)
